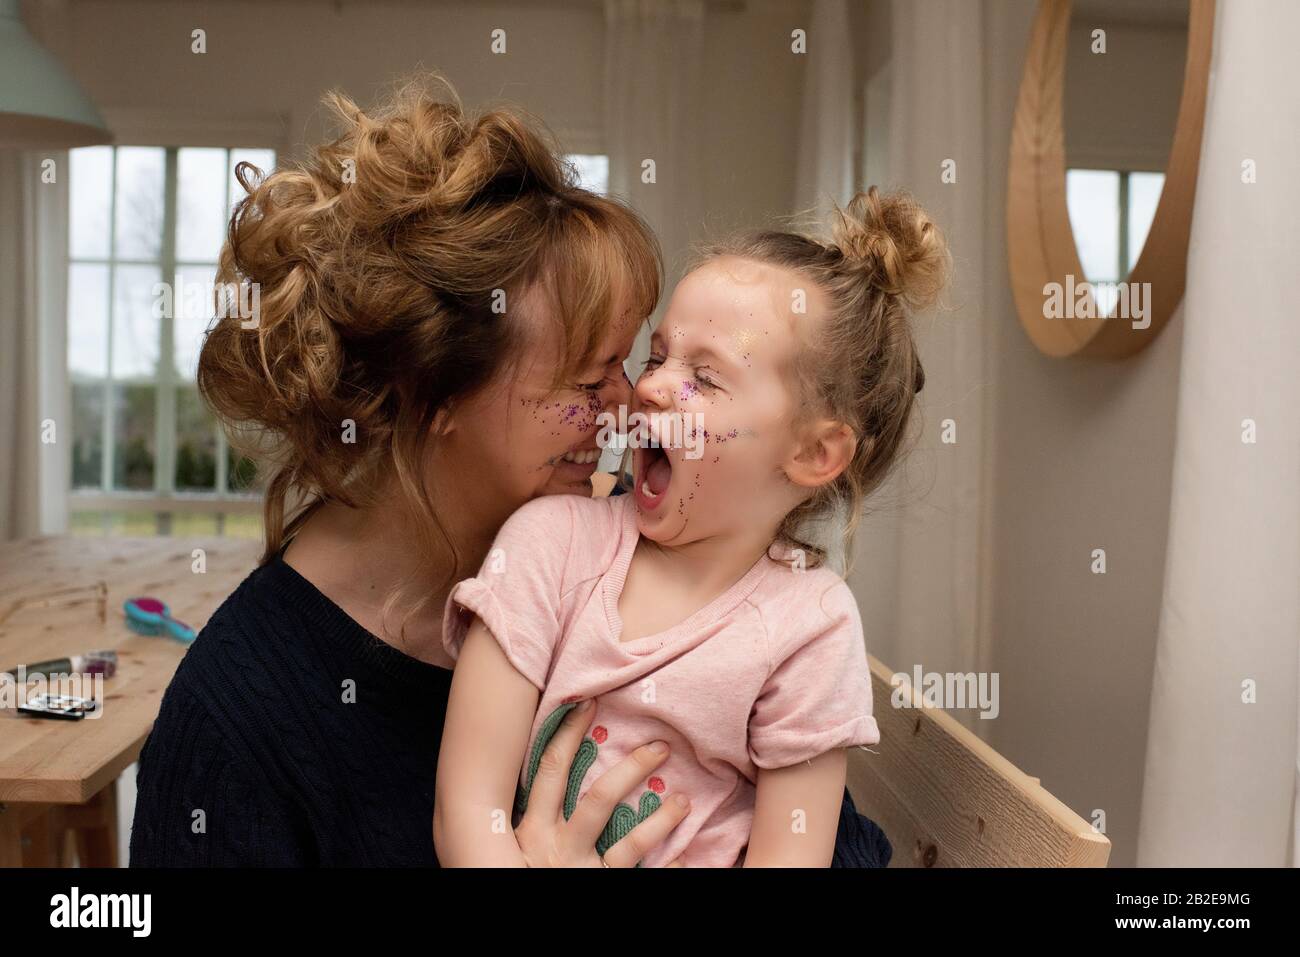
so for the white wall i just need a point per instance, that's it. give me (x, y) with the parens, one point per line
(277, 58)
(1078, 456)
(1083, 455)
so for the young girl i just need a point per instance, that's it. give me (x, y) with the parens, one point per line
(694, 610)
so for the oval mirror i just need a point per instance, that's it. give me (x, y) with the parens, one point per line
(1102, 171)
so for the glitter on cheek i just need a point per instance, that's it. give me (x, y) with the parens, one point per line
(697, 485)
(581, 416)
(689, 390)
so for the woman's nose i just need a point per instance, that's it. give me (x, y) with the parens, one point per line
(621, 391)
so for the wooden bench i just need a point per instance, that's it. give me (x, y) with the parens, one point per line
(944, 798)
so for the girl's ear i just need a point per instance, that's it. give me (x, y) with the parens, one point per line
(826, 451)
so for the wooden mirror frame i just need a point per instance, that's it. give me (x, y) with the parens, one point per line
(1040, 241)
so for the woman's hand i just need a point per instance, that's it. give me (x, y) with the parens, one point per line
(548, 840)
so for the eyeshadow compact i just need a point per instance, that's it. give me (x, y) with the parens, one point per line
(64, 707)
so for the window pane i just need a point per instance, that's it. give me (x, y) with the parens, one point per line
(86, 523)
(133, 435)
(264, 160)
(194, 523)
(200, 203)
(87, 320)
(193, 311)
(593, 171)
(241, 472)
(90, 190)
(87, 367)
(87, 434)
(1106, 295)
(196, 442)
(139, 201)
(114, 523)
(137, 324)
(1092, 196)
(243, 525)
(1143, 197)
(136, 331)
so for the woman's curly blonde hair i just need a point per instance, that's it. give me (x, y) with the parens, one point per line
(379, 261)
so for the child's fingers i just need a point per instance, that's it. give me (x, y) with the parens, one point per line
(546, 796)
(596, 806)
(649, 834)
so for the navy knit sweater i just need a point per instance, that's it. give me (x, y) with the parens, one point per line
(291, 736)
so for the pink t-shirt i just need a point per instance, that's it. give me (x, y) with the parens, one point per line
(770, 673)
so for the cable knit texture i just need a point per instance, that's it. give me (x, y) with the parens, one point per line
(304, 740)
(260, 732)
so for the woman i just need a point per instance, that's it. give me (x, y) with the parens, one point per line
(443, 316)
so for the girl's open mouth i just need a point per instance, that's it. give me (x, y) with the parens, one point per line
(653, 471)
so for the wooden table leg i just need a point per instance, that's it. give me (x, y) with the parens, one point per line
(43, 835)
(38, 835)
(95, 826)
(11, 837)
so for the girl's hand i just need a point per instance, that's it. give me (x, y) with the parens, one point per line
(548, 840)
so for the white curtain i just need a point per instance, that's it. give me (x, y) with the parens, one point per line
(1221, 767)
(825, 164)
(654, 57)
(918, 564)
(35, 427)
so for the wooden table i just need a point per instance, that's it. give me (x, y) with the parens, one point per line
(62, 596)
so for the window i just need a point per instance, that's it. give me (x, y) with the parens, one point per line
(148, 458)
(1110, 214)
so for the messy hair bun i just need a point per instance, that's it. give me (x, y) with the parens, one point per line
(859, 363)
(379, 262)
(896, 246)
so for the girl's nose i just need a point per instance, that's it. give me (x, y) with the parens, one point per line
(650, 388)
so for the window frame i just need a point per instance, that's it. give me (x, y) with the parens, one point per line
(163, 499)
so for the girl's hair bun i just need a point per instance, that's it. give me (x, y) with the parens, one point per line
(895, 244)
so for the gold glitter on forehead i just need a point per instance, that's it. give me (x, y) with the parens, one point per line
(743, 338)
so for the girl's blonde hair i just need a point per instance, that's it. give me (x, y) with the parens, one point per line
(382, 261)
(859, 362)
